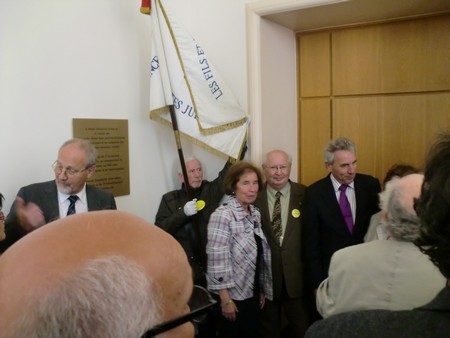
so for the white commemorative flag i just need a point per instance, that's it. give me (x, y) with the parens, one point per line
(206, 110)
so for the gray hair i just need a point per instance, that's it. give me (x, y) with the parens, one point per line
(340, 143)
(186, 160)
(108, 297)
(266, 158)
(87, 147)
(397, 203)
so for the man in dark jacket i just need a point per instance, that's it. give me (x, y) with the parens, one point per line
(285, 245)
(187, 219)
(40, 203)
(328, 227)
(433, 319)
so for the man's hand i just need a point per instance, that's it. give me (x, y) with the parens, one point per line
(30, 216)
(190, 208)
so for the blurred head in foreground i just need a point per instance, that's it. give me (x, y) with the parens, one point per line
(433, 206)
(396, 202)
(97, 274)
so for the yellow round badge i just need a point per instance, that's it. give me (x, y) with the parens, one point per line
(296, 213)
(200, 204)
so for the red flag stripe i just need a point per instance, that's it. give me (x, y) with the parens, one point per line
(145, 7)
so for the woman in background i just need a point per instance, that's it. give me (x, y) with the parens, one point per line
(239, 265)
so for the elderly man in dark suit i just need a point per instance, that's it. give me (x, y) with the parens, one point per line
(337, 208)
(40, 203)
(283, 233)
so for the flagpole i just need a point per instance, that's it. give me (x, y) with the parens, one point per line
(176, 133)
(199, 253)
(169, 102)
(167, 90)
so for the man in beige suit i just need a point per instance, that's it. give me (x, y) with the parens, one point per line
(287, 265)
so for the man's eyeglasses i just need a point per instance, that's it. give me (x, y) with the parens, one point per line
(274, 168)
(70, 172)
(200, 303)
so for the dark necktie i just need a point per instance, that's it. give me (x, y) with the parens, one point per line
(345, 207)
(276, 216)
(73, 199)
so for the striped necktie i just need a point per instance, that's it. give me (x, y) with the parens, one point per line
(276, 216)
(73, 199)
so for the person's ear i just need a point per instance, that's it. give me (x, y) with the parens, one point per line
(180, 177)
(91, 171)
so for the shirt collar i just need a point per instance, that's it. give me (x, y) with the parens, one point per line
(336, 184)
(284, 192)
(239, 211)
(81, 195)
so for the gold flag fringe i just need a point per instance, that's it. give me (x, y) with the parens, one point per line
(156, 116)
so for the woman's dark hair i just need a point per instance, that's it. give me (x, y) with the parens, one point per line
(399, 170)
(433, 205)
(236, 171)
(1, 201)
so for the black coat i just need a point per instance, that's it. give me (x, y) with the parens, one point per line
(171, 218)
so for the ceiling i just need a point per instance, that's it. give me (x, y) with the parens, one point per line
(356, 11)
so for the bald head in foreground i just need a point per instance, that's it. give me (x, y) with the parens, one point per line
(97, 274)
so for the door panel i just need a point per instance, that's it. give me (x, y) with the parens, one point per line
(390, 92)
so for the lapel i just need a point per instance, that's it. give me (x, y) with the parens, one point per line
(329, 196)
(92, 202)
(294, 204)
(50, 204)
(360, 198)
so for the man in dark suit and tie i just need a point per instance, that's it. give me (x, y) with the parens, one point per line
(431, 320)
(280, 203)
(337, 208)
(40, 203)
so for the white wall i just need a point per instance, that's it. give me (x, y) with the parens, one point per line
(278, 88)
(90, 59)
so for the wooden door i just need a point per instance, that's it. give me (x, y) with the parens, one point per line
(385, 86)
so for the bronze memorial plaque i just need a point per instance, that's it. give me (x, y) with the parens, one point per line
(110, 137)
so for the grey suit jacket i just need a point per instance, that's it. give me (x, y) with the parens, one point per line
(45, 195)
(287, 259)
(382, 274)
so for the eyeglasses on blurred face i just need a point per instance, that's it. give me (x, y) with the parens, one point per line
(200, 303)
(69, 171)
(275, 168)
